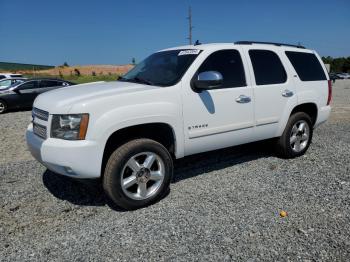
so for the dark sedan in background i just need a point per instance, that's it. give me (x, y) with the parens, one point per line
(22, 95)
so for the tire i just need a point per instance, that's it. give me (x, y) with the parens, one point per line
(146, 169)
(295, 131)
(3, 107)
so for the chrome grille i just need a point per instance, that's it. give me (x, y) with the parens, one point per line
(40, 130)
(41, 114)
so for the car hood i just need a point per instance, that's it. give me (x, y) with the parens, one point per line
(61, 100)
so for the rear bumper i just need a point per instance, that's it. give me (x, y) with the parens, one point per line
(78, 159)
(323, 115)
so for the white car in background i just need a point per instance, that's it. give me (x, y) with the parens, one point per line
(344, 75)
(10, 75)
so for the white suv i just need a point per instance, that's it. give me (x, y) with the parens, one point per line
(178, 102)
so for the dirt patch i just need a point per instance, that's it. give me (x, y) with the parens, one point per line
(85, 70)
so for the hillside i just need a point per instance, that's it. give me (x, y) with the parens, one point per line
(4, 66)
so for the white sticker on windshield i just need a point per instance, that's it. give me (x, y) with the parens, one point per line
(189, 52)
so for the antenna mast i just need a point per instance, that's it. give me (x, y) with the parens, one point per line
(190, 27)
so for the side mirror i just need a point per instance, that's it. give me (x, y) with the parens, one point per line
(208, 80)
(16, 90)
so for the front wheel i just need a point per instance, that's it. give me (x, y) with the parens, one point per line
(3, 107)
(296, 137)
(138, 174)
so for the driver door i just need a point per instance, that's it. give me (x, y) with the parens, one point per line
(218, 118)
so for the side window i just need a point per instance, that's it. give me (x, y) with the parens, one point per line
(229, 64)
(28, 85)
(48, 83)
(268, 68)
(307, 66)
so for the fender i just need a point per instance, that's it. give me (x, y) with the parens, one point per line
(127, 116)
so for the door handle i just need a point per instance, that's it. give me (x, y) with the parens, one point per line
(243, 99)
(287, 93)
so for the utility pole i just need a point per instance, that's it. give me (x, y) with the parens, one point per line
(190, 27)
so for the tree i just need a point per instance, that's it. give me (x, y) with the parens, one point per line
(133, 61)
(346, 65)
(339, 64)
(327, 60)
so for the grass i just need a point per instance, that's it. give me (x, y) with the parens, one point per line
(78, 79)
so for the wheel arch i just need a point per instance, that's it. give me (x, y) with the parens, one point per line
(161, 132)
(308, 108)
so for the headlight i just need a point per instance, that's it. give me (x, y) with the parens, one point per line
(69, 127)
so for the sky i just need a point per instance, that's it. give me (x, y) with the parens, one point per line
(113, 32)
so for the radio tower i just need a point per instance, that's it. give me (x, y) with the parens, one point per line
(190, 27)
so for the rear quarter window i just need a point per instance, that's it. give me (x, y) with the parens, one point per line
(307, 66)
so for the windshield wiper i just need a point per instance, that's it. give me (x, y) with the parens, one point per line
(136, 80)
(122, 79)
(143, 81)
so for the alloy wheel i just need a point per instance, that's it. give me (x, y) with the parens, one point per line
(299, 136)
(142, 175)
(2, 107)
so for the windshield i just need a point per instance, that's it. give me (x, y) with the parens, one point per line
(163, 68)
(5, 84)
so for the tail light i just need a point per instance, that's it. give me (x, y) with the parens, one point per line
(329, 92)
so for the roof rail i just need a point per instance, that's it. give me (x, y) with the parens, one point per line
(267, 43)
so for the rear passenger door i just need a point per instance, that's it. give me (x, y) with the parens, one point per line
(273, 88)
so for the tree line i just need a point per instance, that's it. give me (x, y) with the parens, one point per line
(339, 64)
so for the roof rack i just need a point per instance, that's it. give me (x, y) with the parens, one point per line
(267, 43)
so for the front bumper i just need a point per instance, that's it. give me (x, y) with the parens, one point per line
(79, 159)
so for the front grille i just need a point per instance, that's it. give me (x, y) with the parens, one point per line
(40, 130)
(41, 114)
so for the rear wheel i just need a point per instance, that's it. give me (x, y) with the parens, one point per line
(3, 107)
(296, 137)
(138, 174)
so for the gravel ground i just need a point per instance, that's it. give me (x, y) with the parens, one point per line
(223, 205)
